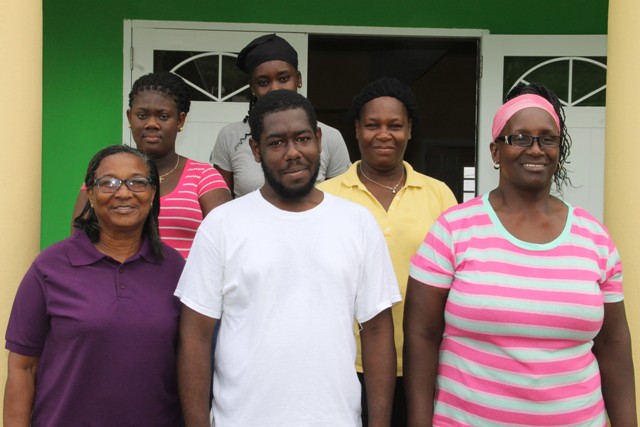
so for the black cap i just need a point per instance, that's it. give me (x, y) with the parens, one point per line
(265, 48)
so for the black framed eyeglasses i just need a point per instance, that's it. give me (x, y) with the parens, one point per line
(111, 185)
(526, 141)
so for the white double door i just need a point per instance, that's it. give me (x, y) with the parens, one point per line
(586, 124)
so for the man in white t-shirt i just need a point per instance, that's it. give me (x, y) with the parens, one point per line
(285, 270)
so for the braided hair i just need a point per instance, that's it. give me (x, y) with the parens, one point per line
(252, 101)
(561, 175)
(169, 84)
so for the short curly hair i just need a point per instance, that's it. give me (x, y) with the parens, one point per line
(276, 101)
(385, 86)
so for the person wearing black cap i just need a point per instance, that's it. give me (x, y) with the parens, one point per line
(272, 64)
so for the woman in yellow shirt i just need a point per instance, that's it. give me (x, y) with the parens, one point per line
(404, 202)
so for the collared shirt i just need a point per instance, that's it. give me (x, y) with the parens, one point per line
(413, 210)
(105, 334)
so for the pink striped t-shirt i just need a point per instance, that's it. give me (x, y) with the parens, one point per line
(180, 210)
(520, 318)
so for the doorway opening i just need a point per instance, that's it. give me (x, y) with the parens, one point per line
(443, 73)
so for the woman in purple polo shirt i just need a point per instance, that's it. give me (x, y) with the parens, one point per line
(93, 329)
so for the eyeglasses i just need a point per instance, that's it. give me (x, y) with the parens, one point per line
(111, 185)
(526, 141)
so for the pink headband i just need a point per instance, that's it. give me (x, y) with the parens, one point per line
(519, 103)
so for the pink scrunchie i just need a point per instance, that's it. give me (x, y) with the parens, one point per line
(518, 103)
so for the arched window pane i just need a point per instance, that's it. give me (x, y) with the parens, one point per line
(578, 81)
(212, 76)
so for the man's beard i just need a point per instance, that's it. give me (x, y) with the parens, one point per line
(290, 193)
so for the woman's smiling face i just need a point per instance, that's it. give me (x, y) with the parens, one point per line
(532, 167)
(124, 210)
(383, 131)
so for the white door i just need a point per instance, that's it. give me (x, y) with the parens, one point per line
(204, 56)
(576, 66)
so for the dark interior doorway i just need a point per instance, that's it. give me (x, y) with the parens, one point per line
(443, 73)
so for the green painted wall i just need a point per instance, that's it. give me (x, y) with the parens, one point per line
(83, 60)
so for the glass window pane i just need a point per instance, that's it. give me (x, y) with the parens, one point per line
(203, 71)
(234, 79)
(587, 77)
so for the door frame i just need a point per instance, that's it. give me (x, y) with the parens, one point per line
(489, 84)
(129, 24)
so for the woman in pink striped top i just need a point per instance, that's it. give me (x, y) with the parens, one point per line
(514, 314)
(189, 190)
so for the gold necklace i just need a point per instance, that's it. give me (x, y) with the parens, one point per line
(392, 189)
(162, 177)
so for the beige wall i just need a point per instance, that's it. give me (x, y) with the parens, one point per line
(21, 110)
(622, 202)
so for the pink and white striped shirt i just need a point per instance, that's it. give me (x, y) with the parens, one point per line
(520, 319)
(180, 210)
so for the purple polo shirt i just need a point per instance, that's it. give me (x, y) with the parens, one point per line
(106, 334)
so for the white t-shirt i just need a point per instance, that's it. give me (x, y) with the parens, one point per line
(287, 287)
(233, 154)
